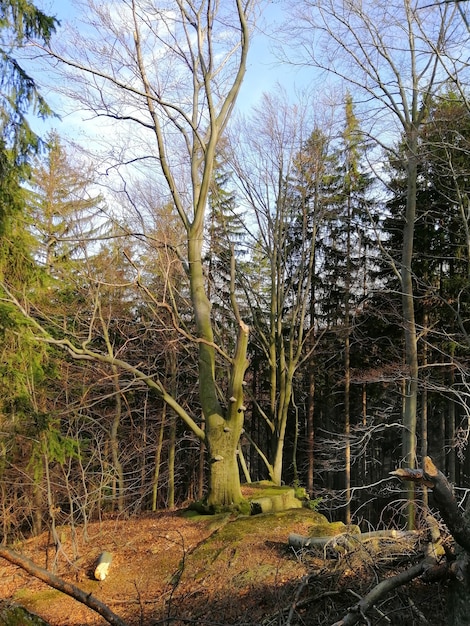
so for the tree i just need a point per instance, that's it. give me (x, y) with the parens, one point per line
(23, 369)
(174, 73)
(280, 172)
(20, 21)
(400, 70)
(63, 214)
(347, 259)
(440, 268)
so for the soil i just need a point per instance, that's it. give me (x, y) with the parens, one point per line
(174, 569)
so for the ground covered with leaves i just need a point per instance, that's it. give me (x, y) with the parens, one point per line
(171, 568)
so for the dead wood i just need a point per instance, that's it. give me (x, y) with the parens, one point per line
(357, 612)
(430, 568)
(58, 583)
(382, 545)
(444, 498)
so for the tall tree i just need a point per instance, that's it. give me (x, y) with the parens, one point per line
(350, 255)
(174, 73)
(440, 261)
(20, 21)
(64, 214)
(400, 69)
(277, 172)
(23, 369)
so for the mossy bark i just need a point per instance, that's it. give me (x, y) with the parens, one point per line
(223, 433)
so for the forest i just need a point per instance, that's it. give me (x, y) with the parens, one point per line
(197, 295)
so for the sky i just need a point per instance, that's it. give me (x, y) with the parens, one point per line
(264, 72)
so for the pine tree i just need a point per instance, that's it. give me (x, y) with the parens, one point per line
(24, 366)
(440, 267)
(63, 214)
(20, 20)
(225, 244)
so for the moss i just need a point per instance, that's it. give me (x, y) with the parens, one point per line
(15, 615)
(254, 576)
(330, 529)
(263, 488)
(30, 597)
(200, 507)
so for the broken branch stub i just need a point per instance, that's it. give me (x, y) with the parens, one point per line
(444, 498)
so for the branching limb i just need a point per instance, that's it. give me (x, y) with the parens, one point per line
(444, 498)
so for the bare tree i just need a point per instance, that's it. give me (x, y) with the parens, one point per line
(390, 54)
(278, 170)
(169, 74)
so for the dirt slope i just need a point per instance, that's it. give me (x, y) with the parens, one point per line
(168, 568)
(165, 564)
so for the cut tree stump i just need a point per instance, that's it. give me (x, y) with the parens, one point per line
(102, 566)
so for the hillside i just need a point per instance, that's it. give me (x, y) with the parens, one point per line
(214, 570)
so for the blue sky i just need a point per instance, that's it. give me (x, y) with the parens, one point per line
(263, 71)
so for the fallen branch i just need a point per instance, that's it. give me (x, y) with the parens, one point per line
(58, 583)
(358, 611)
(443, 497)
(429, 568)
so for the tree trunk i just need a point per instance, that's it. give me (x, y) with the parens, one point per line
(157, 459)
(223, 434)
(311, 431)
(411, 352)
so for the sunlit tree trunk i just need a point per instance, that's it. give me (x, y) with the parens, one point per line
(181, 104)
(411, 349)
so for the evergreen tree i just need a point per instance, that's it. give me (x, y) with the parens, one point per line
(24, 366)
(440, 267)
(225, 245)
(20, 20)
(64, 215)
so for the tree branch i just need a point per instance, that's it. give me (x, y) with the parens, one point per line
(58, 583)
(444, 498)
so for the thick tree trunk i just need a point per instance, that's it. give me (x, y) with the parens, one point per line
(223, 433)
(224, 489)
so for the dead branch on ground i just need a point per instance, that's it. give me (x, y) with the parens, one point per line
(58, 583)
(429, 568)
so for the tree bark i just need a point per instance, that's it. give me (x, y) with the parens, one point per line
(223, 434)
(411, 351)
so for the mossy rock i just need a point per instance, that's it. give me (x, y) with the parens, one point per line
(15, 615)
(273, 504)
(266, 497)
(331, 529)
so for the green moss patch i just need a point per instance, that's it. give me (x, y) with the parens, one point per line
(330, 529)
(15, 615)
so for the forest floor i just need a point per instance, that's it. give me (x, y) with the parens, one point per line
(172, 569)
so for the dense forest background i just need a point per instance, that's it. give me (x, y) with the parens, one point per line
(321, 215)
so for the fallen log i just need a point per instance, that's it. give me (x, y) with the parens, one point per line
(301, 541)
(389, 544)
